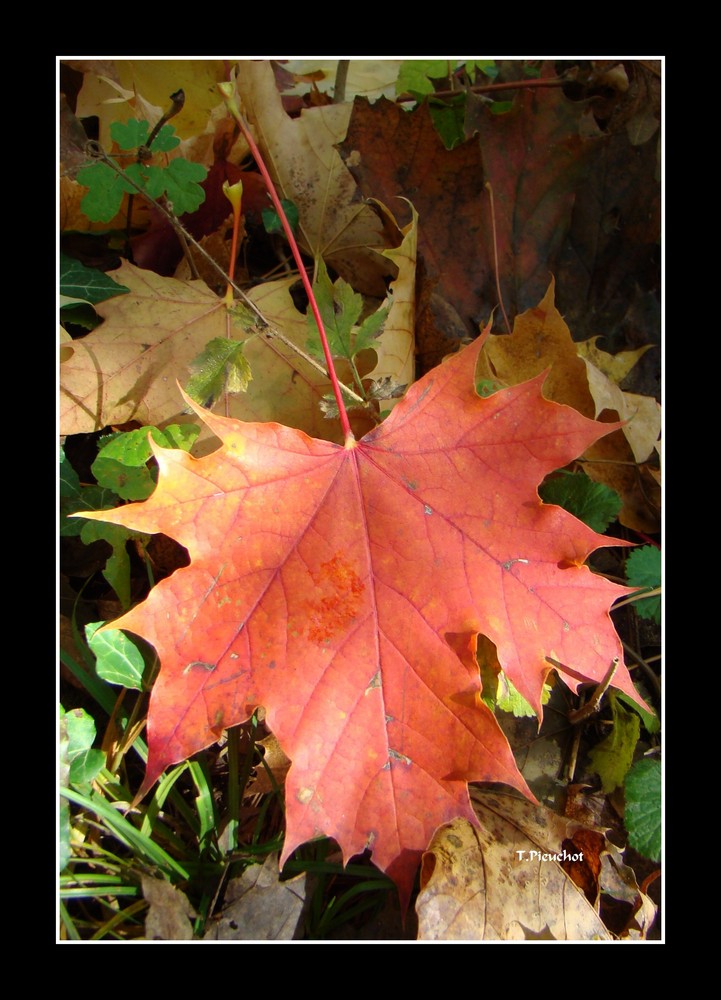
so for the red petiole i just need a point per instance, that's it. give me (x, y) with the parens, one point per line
(226, 89)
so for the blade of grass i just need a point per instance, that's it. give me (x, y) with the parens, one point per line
(68, 923)
(127, 914)
(126, 832)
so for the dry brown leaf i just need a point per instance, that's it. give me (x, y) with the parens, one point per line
(104, 97)
(169, 915)
(259, 907)
(542, 341)
(615, 366)
(300, 154)
(493, 884)
(642, 413)
(126, 369)
(141, 88)
(395, 348)
(274, 761)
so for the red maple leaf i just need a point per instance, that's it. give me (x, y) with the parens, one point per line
(343, 589)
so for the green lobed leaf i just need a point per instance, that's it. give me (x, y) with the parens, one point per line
(165, 140)
(105, 191)
(612, 758)
(340, 307)
(221, 367)
(643, 569)
(486, 66)
(643, 808)
(593, 503)
(449, 118)
(86, 283)
(415, 75)
(130, 134)
(119, 661)
(182, 185)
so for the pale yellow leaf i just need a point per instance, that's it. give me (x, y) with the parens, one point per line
(300, 154)
(395, 348)
(615, 366)
(126, 369)
(643, 413)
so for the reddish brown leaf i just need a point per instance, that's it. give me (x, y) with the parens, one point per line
(391, 152)
(343, 589)
(532, 156)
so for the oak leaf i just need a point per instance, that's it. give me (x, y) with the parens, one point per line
(343, 588)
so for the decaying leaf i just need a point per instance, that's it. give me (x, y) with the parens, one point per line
(127, 368)
(502, 880)
(541, 341)
(259, 907)
(170, 912)
(343, 588)
(305, 165)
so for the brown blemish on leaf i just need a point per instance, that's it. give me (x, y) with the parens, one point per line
(337, 599)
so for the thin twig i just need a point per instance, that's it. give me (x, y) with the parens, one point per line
(485, 88)
(495, 258)
(341, 78)
(593, 703)
(641, 596)
(656, 683)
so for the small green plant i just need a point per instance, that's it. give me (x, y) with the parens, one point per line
(643, 807)
(593, 503)
(107, 181)
(643, 569)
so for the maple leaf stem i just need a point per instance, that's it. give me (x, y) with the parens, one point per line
(226, 89)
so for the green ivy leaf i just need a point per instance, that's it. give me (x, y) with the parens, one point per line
(486, 66)
(122, 459)
(643, 808)
(119, 661)
(593, 503)
(643, 569)
(84, 762)
(221, 367)
(117, 568)
(86, 283)
(651, 721)
(74, 497)
(449, 118)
